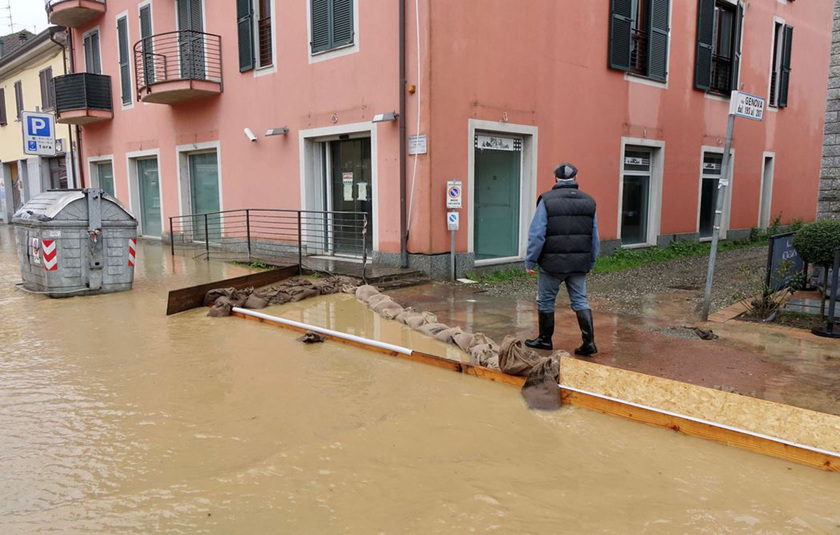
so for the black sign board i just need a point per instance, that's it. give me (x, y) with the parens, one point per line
(781, 252)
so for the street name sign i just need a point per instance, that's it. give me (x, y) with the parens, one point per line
(747, 106)
(38, 133)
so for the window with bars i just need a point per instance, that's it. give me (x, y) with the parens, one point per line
(639, 34)
(47, 92)
(255, 34)
(718, 57)
(265, 55)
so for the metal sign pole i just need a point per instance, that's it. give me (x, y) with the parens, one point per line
(722, 184)
(452, 259)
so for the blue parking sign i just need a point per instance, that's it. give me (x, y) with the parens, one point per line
(38, 133)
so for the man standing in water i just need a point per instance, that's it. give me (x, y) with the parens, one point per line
(563, 241)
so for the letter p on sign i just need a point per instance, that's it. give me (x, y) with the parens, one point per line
(38, 127)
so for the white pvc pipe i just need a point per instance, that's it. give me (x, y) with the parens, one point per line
(327, 332)
(706, 422)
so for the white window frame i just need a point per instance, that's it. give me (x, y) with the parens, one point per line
(727, 201)
(311, 166)
(337, 52)
(93, 169)
(132, 89)
(94, 30)
(778, 45)
(134, 189)
(657, 167)
(527, 177)
(764, 157)
(182, 157)
(262, 70)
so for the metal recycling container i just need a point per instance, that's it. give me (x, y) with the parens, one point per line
(75, 242)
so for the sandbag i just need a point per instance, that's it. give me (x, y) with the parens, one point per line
(447, 335)
(481, 339)
(432, 329)
(305, 293)
(483, 354)
(375, 299)
(221, 308)
(463, 341)
(387, 308)
(211, 296)
(541, 389)
(255, 302)
(364, 293)
(406, 314)
(515, 358)
(416, 321)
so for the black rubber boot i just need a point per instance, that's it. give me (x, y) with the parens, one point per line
(543, 341)
(587, 331)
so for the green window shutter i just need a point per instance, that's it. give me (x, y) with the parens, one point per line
(705, 37)
(342, 23)
(784, 83)
(245, 25)
(658, 39)
(3, 119)
(320, 25)
(736, 47)
(122, 48)
(621, 34)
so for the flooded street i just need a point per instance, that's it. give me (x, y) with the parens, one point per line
(117, 419)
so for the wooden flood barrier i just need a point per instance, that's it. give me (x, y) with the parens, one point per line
(193, 297)
(688, 425)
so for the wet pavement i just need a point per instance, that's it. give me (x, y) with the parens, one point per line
(117, 419)
(803, 371)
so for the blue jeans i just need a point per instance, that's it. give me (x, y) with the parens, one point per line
(549, 286)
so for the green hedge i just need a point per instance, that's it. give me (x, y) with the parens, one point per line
(816, 242)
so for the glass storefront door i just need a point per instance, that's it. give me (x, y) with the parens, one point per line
(635, 199)
(105, 172)
(204, 193)
(351, 191)
(497, 202)
(148, 179)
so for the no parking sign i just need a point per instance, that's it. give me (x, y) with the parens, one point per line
(453, 194)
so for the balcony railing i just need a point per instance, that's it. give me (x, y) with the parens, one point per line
(83, 98)
(178, 66)
(73, 13)
(721, 74)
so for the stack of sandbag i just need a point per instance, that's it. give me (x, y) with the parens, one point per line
(288, 291)
(541, 390)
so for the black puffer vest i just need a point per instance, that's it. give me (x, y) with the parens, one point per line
(568, 236)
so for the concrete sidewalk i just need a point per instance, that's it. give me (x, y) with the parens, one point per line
(773, 363)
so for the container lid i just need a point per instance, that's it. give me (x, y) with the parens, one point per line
(49, 205)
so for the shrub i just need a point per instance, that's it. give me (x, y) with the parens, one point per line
(816, 242)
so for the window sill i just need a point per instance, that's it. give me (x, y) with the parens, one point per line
(266, 70)
(644, 80)
(325, 55)
(637, 245)
(336, 49)
(717, 96)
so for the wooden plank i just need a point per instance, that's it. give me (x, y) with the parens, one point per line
(193, 297)
(493, 375)
(706, 431)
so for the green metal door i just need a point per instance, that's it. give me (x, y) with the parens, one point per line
(150, 209)
(496, 204)
(204, 193)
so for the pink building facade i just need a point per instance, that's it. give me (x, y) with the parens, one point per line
(633, 92)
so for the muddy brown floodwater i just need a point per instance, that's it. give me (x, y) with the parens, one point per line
(117, 419)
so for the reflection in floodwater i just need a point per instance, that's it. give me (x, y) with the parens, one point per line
(117, 419)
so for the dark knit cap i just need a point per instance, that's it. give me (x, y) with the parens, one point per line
(565, 171)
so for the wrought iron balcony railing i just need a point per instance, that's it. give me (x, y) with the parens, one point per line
(184, 55)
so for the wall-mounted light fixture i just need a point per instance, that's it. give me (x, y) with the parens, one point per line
(277, 132)
(250, 135)
(385, 117)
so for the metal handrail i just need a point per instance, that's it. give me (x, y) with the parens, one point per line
(176, 56)
(272, 235)
(49, 3)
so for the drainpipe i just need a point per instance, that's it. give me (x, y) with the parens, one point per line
(403, 223)
(78, 128)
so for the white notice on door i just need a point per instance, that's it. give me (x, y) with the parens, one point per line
(362, 191)
(417, 144)
(347, 180)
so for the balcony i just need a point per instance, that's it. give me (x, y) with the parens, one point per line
(83, 98)
(178, 67)
(73, 13)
